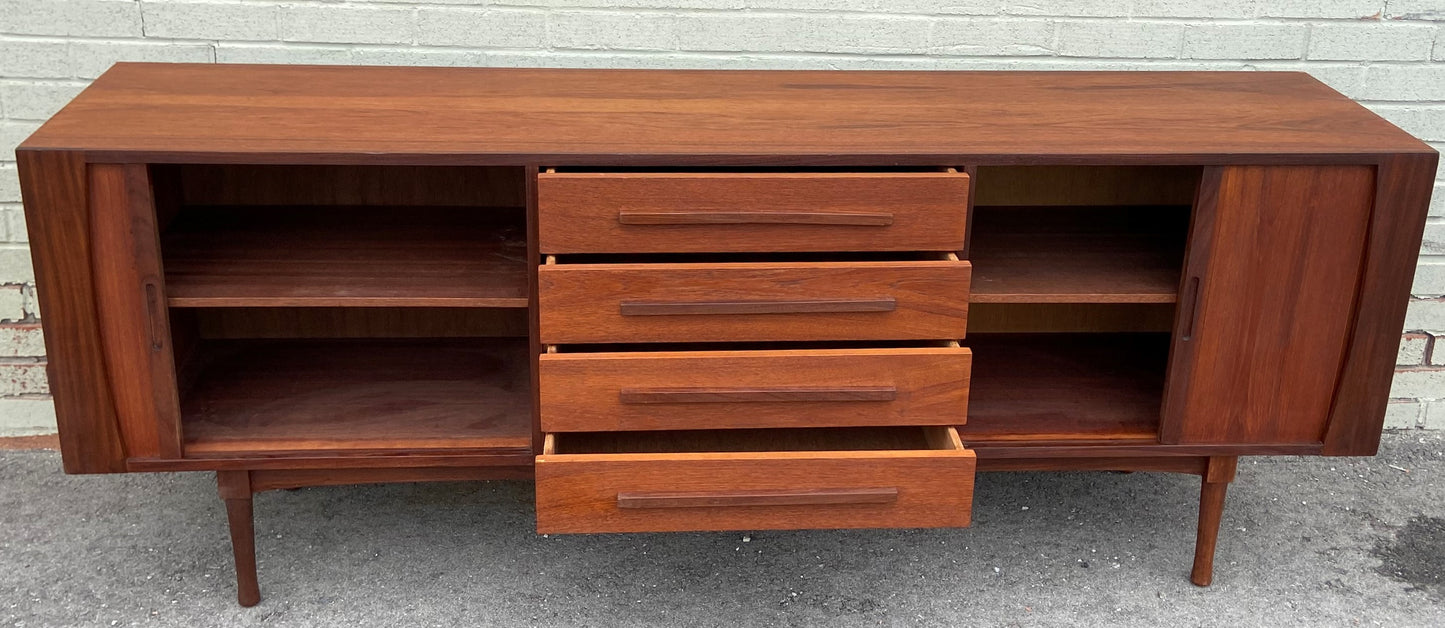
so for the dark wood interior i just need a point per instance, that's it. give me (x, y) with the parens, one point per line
(1102, 388)
(353, 322)
(264, 292)
(703, 441)
(1077, 271)
(347, 310)
(357, 397)
(364, 256)
(1077, 254)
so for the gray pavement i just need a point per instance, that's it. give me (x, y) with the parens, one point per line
(1306, 542)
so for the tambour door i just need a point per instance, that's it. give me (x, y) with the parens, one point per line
(1268, 304)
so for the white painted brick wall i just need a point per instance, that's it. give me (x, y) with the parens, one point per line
(1389, 54)
(26, 417)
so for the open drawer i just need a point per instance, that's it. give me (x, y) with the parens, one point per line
(893, 477)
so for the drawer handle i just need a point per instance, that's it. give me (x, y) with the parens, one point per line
(841, 219)
(806, 306)
(814, 497)
(155, 315)
(757, 395)
(1188, 309)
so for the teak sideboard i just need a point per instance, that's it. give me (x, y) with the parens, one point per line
(715, 300)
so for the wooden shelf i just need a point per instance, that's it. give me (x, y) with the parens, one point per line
(1074, 268)
(349, 397)
(346, 257)
(1052, 388)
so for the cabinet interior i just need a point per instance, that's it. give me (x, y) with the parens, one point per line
(347, 309)
(357, 308)
(753, 440)
(1076, 274)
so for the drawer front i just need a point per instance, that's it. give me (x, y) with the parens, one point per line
(581, 493)
(751, 212)
(689, 390)
(589, 303)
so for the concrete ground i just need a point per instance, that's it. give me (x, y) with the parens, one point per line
(1305, 542)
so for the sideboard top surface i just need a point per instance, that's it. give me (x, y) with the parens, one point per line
(240, 113)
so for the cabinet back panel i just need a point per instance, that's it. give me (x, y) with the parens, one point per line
(381, 322)
(1085, 185)
(1069, 317)
(209, 184)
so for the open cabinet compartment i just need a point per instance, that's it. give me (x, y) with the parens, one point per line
(315, 236)
(347, 311)
(1077, 273)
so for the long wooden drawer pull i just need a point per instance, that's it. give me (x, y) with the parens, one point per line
(842, 219)
(801, 306)
(815, 497)
(757, 395)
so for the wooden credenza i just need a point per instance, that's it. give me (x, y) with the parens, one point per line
(692, 300)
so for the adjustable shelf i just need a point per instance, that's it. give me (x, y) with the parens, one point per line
(1038, 388)
(357, 397)
(1074, 268)
(1077, 255)
(371, 256)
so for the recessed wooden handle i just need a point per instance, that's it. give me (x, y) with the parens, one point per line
(1189, 307)
(154, 316)
(840, 219)
(791, 497)
(757, 395)
(798, 306)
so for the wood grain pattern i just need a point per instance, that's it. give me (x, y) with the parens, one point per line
(580, 303)
(679, 212)
(1270, 327)
(1402, 199)
(135, 330)
(753, 389)
(1050, 388)
(57, 215)
(358, 397)
(610, 117)
(353, 256)
(579, 492)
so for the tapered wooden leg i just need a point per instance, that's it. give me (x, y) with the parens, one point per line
(235, 489)
(1217, 477)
